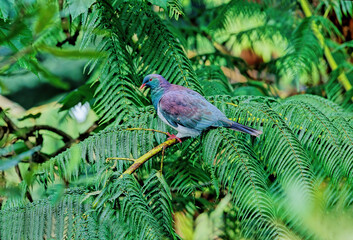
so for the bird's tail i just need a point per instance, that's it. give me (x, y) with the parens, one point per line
(242, 128)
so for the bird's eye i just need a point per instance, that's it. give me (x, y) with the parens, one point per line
(150, 79)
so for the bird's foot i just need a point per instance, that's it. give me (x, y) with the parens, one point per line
(172, 136)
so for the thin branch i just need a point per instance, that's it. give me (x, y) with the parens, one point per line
(80, 138)
(146, 129)
(66, 137)
(68, 140)
(13, 128)
(138, 162)
(120, 158)
(30, 130)
(8, 121)
(71, 39)
(28, 194)
(87, 133)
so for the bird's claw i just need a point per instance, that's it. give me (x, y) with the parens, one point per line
(172, 136)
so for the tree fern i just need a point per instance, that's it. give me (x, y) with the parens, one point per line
(305, 150)
(223, 147)
(263, 26)
(235, 162)
(238, 171)
(146, 47)
(44, 218)
(213, 80)
(282, 143)
(147, 210)
(324, 139)
(189, 179)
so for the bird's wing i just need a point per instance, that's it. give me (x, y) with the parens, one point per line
(189, 109)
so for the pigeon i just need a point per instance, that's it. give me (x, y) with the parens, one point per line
(186, 110)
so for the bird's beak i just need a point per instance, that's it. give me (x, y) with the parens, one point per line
(143, 85)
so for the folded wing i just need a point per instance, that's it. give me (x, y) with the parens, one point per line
(189, 109)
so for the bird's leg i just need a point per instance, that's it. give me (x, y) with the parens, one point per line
(172, 136)
(161, 170)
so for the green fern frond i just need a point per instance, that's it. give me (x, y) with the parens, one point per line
(317, 134)
(137, 211)
(298, 50)
(346, 147)
(246, 25)
(327, 27)
(234, 8)
(239, 170)
(157, 191)
(112, 225)
(42, 219)
(134, 52)
(340, 7)
(146, 210)
(213, 80)
(280, 140)
(189, 175)
(303, 52)
(326, 106)
(175, 9)
(96, 149)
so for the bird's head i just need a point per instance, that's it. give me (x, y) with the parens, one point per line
(153, 81)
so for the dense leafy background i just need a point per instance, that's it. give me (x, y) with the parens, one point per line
(69, 78)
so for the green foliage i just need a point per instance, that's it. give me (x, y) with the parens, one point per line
(47, 218)
(228, 184)
(248, 25)
(299, 142)
(147, 210)
(134, 54)
(34, 29)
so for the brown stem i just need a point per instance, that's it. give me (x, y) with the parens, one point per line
(86, 134)
(13, 128)
(8, 121)
(81, 137)
(70, 39)
(66, 137)
(2, 185)
(28, 194)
